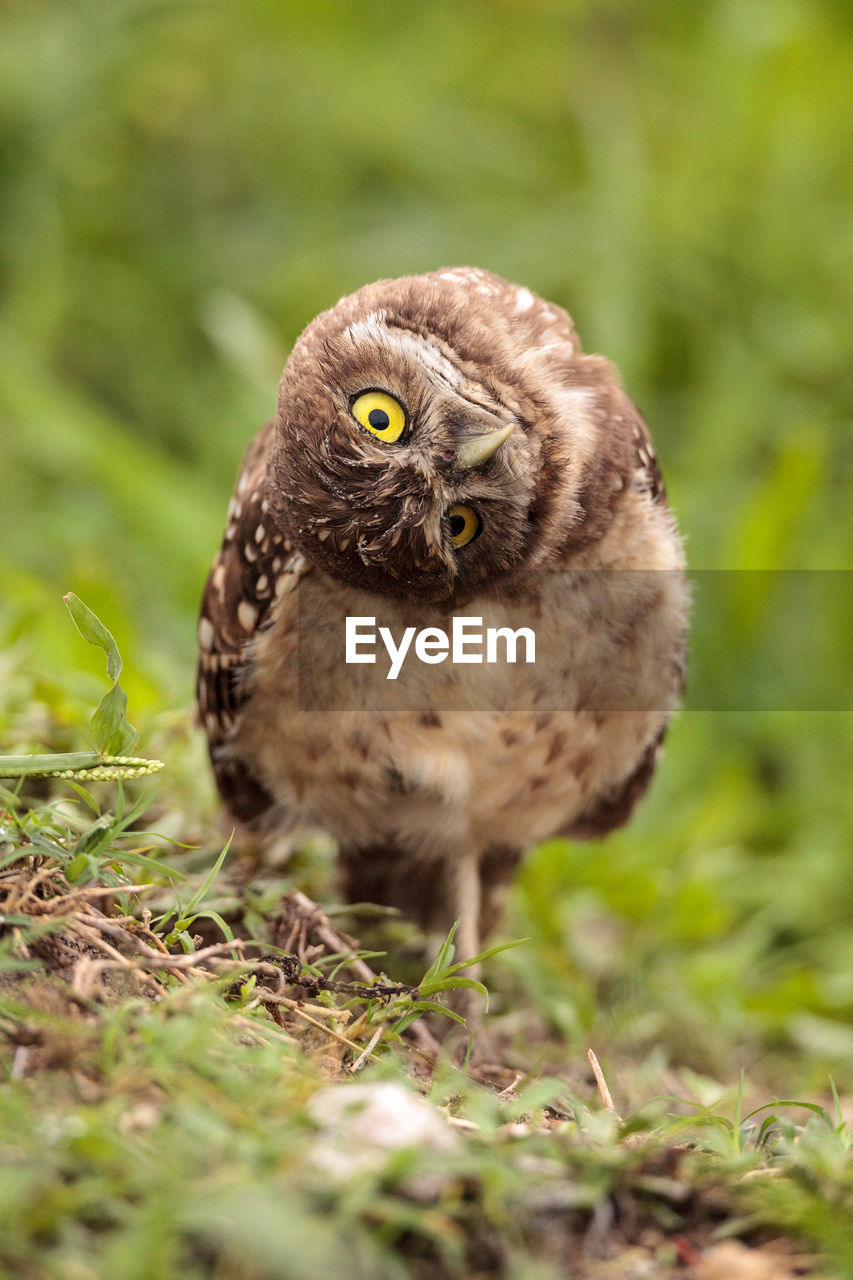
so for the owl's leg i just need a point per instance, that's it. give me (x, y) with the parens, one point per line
(466, 907)
(433, 892)
(481, 885)
(463, 905)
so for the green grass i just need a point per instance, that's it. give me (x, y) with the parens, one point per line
(177, 1128)
(182, 1094)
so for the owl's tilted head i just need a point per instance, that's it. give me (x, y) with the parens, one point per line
(438, 432)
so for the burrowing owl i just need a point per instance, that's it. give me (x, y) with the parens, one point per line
(443, 449)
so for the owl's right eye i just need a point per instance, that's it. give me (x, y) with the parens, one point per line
(380, 414)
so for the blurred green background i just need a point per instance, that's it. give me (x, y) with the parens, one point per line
(184, 185)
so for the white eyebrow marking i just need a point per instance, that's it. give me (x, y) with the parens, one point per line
(424, 351)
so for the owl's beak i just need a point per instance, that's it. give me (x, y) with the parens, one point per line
(481, 447)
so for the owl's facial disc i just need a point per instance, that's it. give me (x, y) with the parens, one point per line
(403, 468)
(405, 492)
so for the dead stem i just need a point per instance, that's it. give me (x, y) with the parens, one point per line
(606, 1100)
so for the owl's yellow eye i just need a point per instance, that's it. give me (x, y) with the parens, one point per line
(380, 414)
(465, 525)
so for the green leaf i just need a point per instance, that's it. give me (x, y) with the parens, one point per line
(227, 931)
(87, 766)
(445, 955)
(432, 1006)
(451, 984)
(111, 732)
(76, 867)
(88, 799)
(839, 1114)
(92, 629)
(209, 879)
(486, 955)
(814, 1107)
(148, 863)
(420, 1007)
(38, 765)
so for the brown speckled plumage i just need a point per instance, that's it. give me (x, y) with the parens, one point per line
(434, 801)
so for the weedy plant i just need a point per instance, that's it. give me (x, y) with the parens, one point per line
(112, 735)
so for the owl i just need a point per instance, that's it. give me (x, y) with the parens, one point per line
(442, 448)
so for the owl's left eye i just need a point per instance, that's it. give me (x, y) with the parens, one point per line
(380, 414)
(465, 525)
